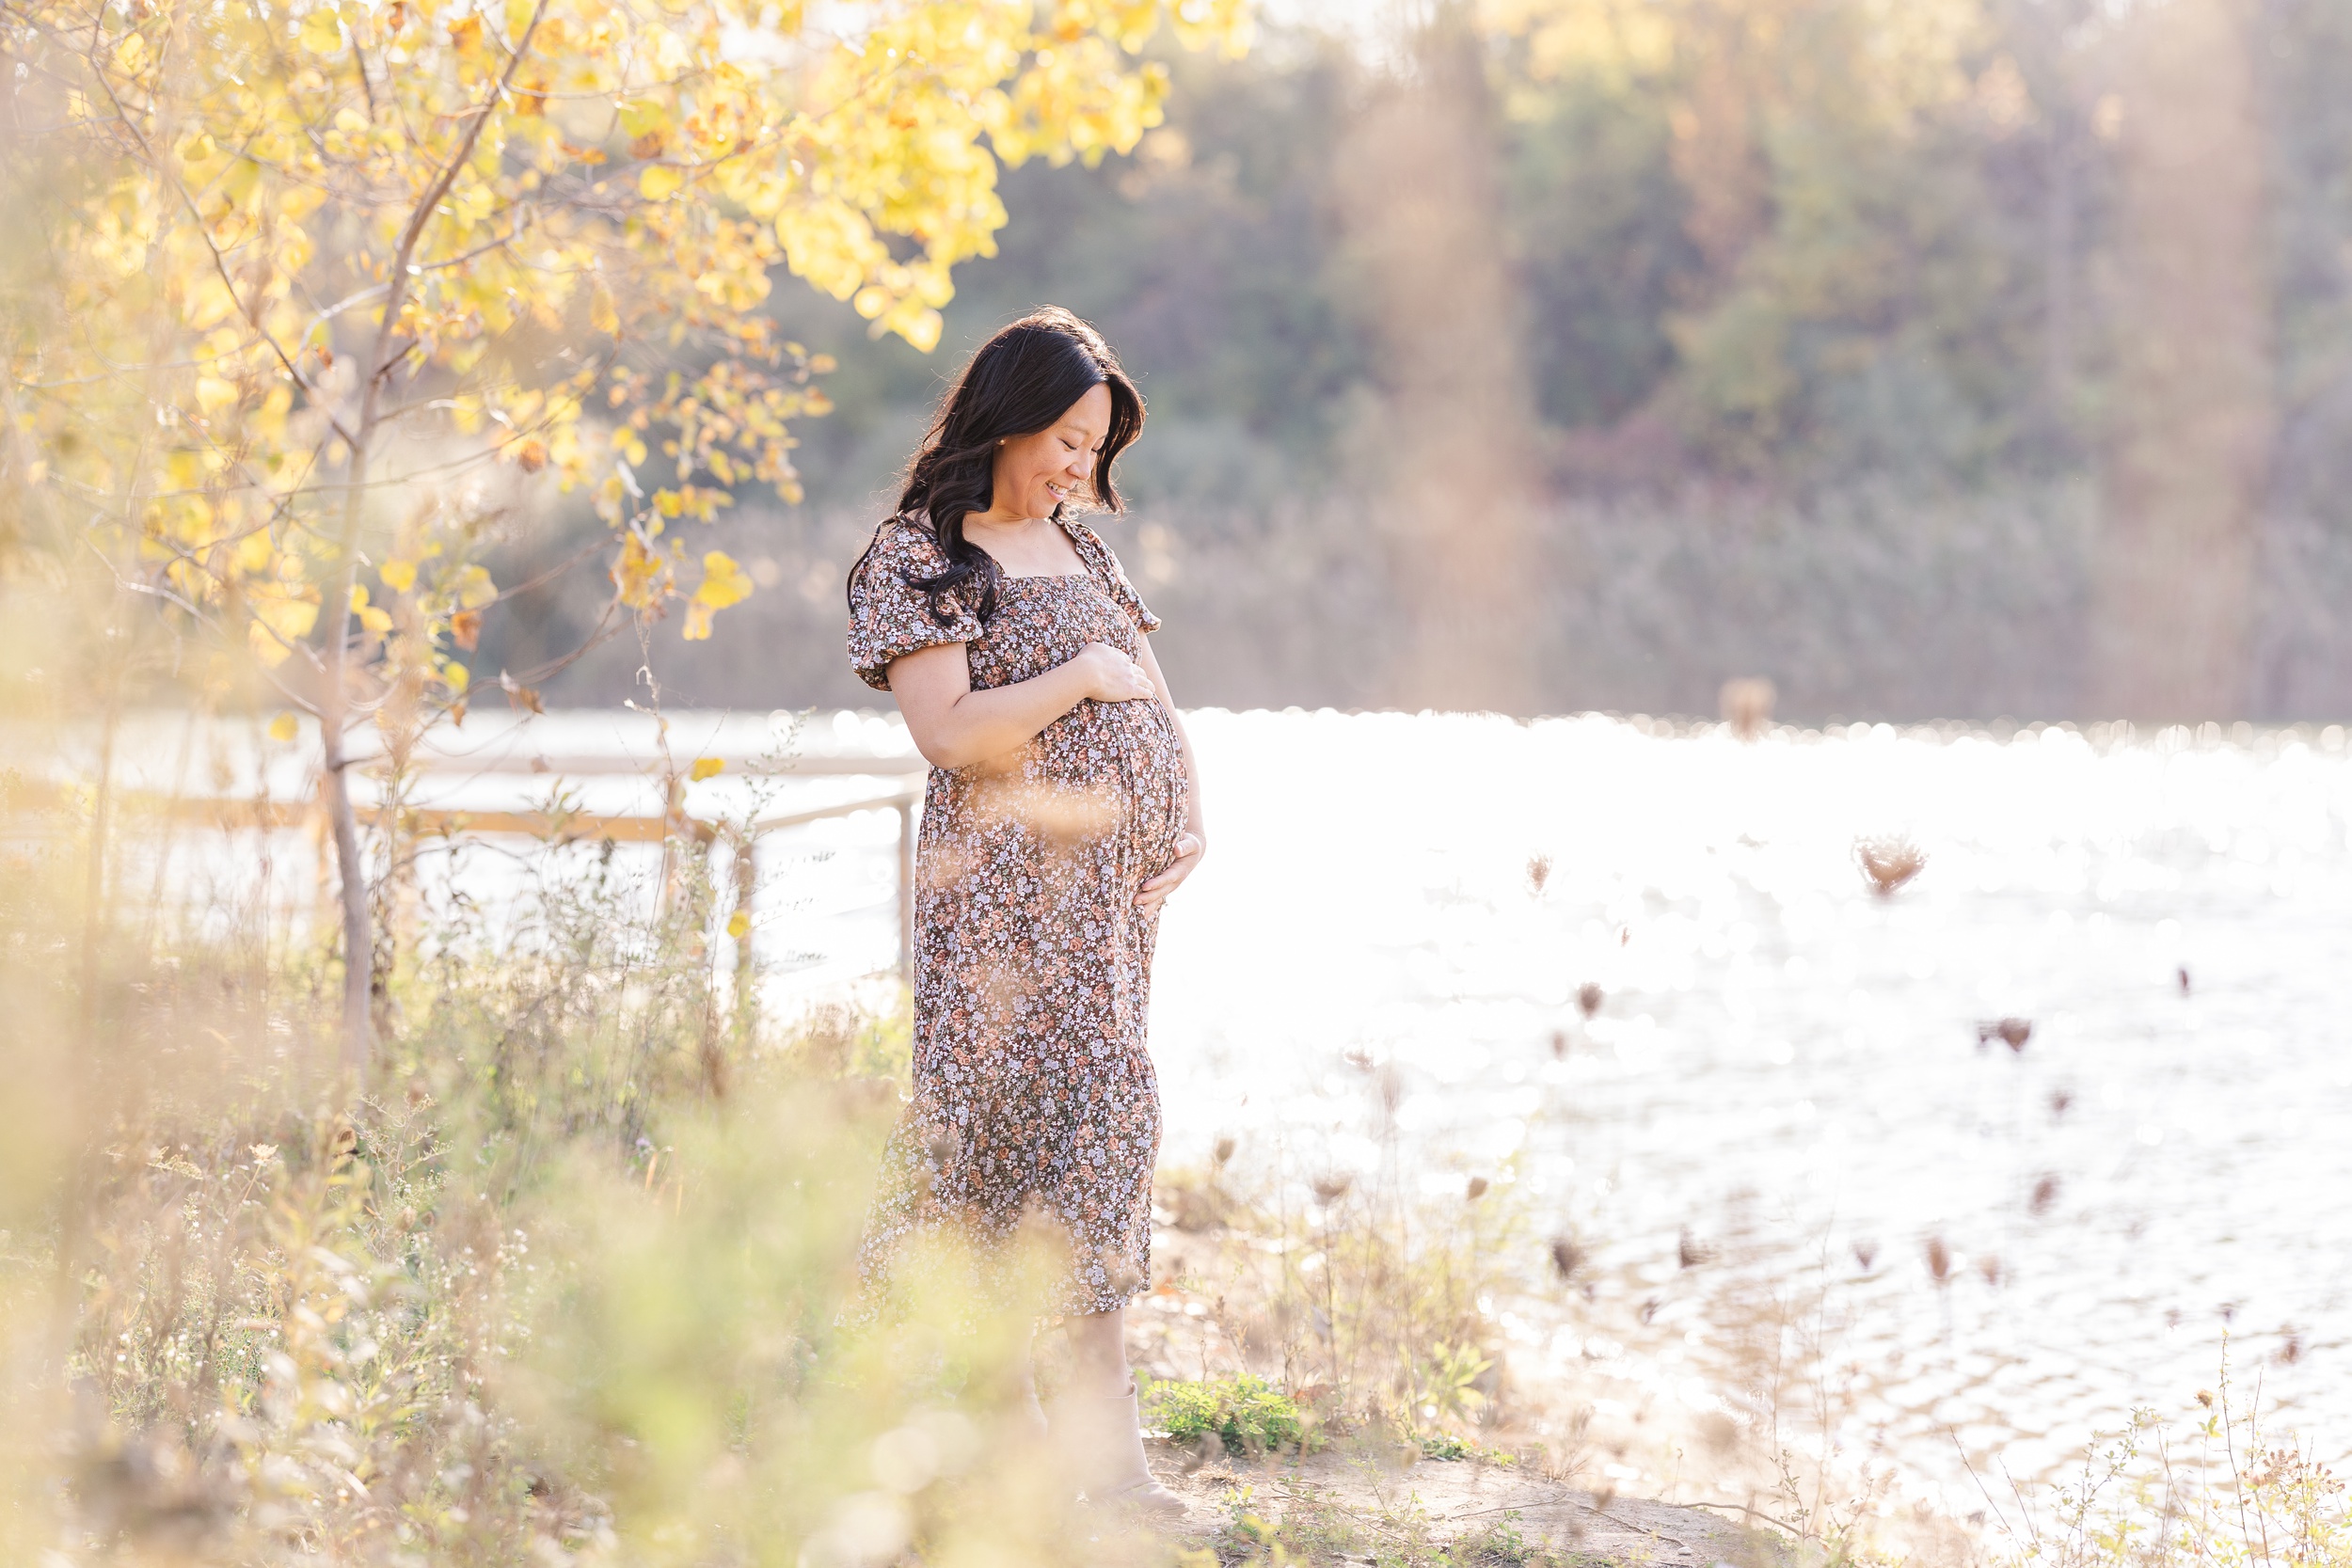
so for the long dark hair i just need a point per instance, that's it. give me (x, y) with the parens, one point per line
(1017, 384)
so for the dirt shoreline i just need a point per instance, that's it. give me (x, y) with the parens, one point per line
(1333, 1496)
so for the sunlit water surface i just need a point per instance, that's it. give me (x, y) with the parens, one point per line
(1783, 1068)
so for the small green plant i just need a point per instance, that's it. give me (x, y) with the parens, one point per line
(1451, 1446)
(1446, 1382)
(1501, 1544)
(1248, 1414)
(1312, 1528)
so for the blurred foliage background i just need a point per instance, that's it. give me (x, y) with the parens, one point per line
(1830, 340)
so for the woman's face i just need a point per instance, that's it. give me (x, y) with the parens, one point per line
(1037, 473)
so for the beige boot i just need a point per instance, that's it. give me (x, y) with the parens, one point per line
(1100, 1441)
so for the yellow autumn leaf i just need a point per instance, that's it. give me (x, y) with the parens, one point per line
(640, 574)
(282, 615)
(707, 767)
(370, 616)
(866, 171)
(475, 589)
(321, 32)
(723, 584)
(738, 924)
(645, 116)
(283, 728)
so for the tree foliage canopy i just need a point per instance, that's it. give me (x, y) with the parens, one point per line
(314, 253)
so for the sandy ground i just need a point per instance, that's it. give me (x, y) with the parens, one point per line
(1454, 1499)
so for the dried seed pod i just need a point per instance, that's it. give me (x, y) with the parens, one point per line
(1888, 863)
(2011, 1032)
(1746, 706)
(2045, 1194)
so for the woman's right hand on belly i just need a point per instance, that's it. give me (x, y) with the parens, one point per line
(1111, 676)
(955, 726)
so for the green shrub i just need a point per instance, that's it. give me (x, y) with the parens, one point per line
(1248, 1414)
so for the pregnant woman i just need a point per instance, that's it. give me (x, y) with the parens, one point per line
(1063, 810)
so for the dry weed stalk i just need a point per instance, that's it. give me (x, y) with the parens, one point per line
(2011, 1032)
(2154, 1495)
(1746, 706)
(1889, 864)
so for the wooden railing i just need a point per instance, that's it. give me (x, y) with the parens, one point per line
(653, 827)
(906, 799)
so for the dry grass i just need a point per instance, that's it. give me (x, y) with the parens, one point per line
(565, 1286)
(2221, 1490)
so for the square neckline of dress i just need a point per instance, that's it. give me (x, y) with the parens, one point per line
(1085, 569)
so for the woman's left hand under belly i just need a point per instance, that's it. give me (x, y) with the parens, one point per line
(1189, 847)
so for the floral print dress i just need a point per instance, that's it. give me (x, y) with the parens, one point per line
(1035, 1099)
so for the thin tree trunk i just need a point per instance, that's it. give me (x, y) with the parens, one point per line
(342, 820)
(2186, 458)
(86, 1075)
(335, 702)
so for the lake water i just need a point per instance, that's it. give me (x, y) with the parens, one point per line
(1783, 1068)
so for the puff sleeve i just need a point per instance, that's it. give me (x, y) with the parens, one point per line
(1106, 566)
(889, 618)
